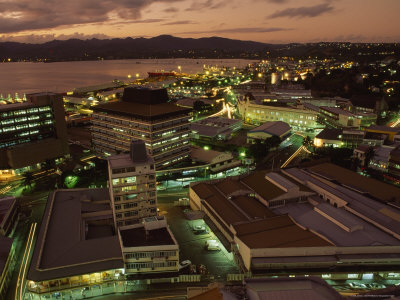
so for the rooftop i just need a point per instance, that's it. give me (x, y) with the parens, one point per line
(379, 190)
(329, 134)
(139, 237)
(337, 111)
(64, 247)
(277, 128)
(140, 110)
(383, 128)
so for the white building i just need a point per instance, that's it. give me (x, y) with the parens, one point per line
(149, 247)
(132, 181)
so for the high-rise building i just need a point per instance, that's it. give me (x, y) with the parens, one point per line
(132, 181)
(31, 132)
(143, 114)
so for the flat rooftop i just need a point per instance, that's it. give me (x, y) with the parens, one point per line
(125, 161)
(277, 128)
(142, 111)
(64, 247)
(138, 237)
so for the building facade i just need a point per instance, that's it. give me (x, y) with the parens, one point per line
(132, 180)
(37, 127)
(258, 113)
(143, 114)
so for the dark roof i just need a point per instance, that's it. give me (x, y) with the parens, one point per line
(145, 95)
(257, 182)
(5, 249)
(367, 101)
(142, 111)
(138, 151)
(383, 128)
(329, 134)
(138, 237)
(63, 248)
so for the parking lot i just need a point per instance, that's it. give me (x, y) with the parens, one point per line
(192, 244)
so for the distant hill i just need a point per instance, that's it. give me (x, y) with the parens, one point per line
(167, 46)
(162, 46)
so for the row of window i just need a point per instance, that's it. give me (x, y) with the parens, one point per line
(151, 265)
(137, 255)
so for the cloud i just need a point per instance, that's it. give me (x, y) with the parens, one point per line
(25, 15)
(184, 22)
(171, 10)
(42, 38)
(240, 30)
(303, 11)
(208, 4)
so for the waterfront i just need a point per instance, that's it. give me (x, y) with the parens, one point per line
(28, 77)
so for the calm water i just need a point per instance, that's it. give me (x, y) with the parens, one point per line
(26, 77)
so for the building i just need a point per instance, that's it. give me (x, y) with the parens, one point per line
(77, 249)
(143, 114)
(390, 132)
(214, 161)
(267, 130)
(329, 137)
(324, 220)
(132, 181)
(368, 104)
(394, 163)
(336, 117)
(37, 127)
(290, 288)
(7, 264)
(8, 215)
(215, 128)
(258, 113)
(149, 248)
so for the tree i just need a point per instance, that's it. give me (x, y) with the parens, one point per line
(198, 105)
(28, 178)
(369, 155)
(307, 142)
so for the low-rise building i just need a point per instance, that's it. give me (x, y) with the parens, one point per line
(216, 161)
(324, 219)
(8, 215)
(215, 128)
(267, 130)
(390, 132)
(149, 247)
(258, 113)
(336, 117)
(329, 137)
(7, 264)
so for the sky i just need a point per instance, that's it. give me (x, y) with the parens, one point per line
(269, 21)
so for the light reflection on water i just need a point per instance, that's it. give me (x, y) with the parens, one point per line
(28, 77)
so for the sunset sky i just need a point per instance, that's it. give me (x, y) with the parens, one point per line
(271, 21)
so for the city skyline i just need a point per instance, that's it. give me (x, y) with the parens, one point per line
(272, 21)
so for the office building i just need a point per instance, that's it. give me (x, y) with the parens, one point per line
(37, 127)
(336, 117)
(260, 112)
(320, 220)
(132, 181)
(143, 114)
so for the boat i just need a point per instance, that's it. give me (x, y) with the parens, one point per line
(162, 74)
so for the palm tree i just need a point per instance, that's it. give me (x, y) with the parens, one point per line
(307, 142)
(28, 178)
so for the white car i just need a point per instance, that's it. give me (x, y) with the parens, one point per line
(184, 264)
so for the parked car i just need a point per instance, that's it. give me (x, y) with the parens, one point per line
(184, 264)
(357, 285)
(200, 229)
(212, 245)
(376, 286)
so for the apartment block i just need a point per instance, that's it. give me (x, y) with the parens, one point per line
(143, 114)
(132, 181)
